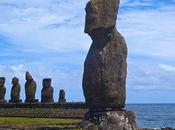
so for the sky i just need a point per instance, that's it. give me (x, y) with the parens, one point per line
(46, 37)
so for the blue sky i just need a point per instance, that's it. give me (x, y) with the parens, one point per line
(46, 37)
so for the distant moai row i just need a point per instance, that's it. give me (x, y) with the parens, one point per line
(30, 91)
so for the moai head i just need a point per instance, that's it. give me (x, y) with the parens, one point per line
(47, 82)
(15, 81)
(101, 14)
(2, 81)
(100, 20)
(28, 76)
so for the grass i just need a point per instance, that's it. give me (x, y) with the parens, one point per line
(22, 123)
(62, 127)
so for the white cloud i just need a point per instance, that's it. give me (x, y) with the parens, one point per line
(123, 2)
(168, 68)
(149, 32)
(55, 25)
(151, 77)
(15, 70)
(138, 3)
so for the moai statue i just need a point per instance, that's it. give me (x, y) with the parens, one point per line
(62, 96)
(2, 90)
(15, 91)
(30, 89)
(105, 70)
(105, 65)
(47, 91)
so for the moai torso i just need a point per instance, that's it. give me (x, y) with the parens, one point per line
(30, 88)
(105, 65)
(2, 88)
(15, 91)
(47, 91)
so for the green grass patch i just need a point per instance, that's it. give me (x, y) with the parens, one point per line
(18, 122)
(61, 127)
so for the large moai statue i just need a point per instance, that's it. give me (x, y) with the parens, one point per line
(62, 98)
(2, 90)
(105, 70)
(105, 66)
(15, 91)
(30, 88)
(47, 91)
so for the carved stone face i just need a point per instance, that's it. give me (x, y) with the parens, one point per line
(47, 83)
(15, 81)
(101, 14)
(2, 81)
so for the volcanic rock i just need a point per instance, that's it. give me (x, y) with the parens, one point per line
(15, 91)
(2, 90)
(62, 98)
(47, 91)
(30, 88)
(111, 120)
(105, 67)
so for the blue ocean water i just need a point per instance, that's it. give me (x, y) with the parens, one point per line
(154, 115)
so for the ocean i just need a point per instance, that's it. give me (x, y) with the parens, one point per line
(154, 115)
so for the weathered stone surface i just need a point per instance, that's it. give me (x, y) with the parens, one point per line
(15, 90)
(68, 105)
(47, 91)
(101, 13)
(2, 89)
(69, 113)
(30, 88)
(112, 120)
(105, 67)
(62, 98)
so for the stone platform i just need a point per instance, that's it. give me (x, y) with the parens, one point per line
(3, 101)
(110, 120)
(66, 105)
(15, 101)
(75, 110)
(71, 113)
(32, 101)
